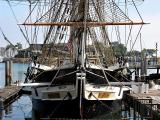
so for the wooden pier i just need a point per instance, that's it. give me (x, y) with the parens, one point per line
(143, 105)
(8, 95)
(147, 67)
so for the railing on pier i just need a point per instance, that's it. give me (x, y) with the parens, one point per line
(144, 108)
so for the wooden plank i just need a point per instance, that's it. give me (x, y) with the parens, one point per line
(8, 95)
(81, 24)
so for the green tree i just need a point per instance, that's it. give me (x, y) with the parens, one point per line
(106, 52)
(18, 45)
(134, 53)
(13, 48)
(149, 52)
(119, 49)
(10, 50)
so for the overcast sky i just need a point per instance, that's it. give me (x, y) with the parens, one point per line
(150, 11)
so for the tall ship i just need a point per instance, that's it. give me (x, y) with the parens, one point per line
(74, 74)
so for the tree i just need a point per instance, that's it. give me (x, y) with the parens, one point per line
(119, 49)
(18, 45)
(134, 53)
(10, 50)
(149, 52)
(105, 52)
(13, 48)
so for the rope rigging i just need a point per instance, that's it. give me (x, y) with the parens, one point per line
(17, 22)
(63, 12)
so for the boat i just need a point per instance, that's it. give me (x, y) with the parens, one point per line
(81, 85)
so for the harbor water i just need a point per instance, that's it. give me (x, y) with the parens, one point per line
(21, 107)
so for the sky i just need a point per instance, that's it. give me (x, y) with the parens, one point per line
(149, 10)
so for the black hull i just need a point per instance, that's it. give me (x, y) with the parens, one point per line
(71, 109)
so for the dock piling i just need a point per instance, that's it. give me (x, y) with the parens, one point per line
(8, 72)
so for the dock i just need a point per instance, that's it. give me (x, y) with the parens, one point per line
(143, 105)
(138, 66)
(8, 95)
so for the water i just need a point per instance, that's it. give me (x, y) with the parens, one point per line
(17, 75)
(21, 107)
(18, 71)
(2, 75)
(17, 110)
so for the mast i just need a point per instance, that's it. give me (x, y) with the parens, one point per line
(80, 33)
(85, 35)
(82, 18)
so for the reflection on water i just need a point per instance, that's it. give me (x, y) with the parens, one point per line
(21, 107)
(17, 110)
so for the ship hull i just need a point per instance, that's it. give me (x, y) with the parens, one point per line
(76, 101)
(71, 108)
